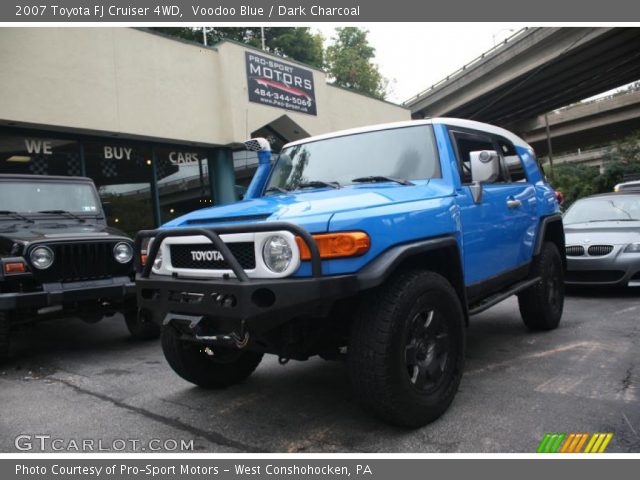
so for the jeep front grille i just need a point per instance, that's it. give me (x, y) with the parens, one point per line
(600, 250)
(575, 251)
(181, 256)
(83, 261)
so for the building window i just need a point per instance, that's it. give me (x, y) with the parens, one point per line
(182, 177)
(40, 156)
(122, 174)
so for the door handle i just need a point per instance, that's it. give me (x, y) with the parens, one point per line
(513, 203)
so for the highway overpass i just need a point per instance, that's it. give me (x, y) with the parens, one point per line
(534, 71)
(596, 157)
(584, 125)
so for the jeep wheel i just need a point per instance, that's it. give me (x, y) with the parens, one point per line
(140, 325)
(406, 351)
(541, 305)
(4, 335)
(189, 360)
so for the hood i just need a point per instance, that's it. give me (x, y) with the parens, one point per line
(602, 233)
(15, 231)
(309, 206)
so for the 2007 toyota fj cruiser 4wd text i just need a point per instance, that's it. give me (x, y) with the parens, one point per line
(58, 257)
(374, 244)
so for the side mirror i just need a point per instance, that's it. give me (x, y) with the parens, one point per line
(485, 167)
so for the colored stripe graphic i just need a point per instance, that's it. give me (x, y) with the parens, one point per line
(557, 442)
(571, 439)
(582, 437)
(551, 442)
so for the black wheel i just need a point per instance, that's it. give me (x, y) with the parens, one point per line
(406, 351)
(4, 335)
(140, 325)
(190, 360)
(541, 305)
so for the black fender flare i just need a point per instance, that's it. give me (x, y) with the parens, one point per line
(547, 223)
(381, 268)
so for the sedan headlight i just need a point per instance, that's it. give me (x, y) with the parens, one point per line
(277, 253)
(632, 248)
(123, 252)
(41, 257)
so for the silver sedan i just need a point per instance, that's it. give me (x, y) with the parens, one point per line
(602, 235)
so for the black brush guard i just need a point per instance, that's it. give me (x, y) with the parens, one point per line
(235, 304)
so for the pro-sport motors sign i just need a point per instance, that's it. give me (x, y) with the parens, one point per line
(280, 84)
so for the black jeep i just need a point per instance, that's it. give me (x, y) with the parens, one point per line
(58, 257)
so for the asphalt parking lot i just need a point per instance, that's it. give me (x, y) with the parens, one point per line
(75, 381)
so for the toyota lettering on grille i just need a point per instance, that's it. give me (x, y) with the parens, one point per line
(209, 255)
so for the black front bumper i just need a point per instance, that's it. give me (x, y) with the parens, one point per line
(114, 290)
(260, 304)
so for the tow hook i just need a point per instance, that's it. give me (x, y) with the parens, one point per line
(240, 342)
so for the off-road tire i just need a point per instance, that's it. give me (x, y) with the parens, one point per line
(5, 328)
(541, 305)
(140, 325)
(189, 360)
(378, 353)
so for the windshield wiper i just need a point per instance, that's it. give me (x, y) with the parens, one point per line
(318, 184)
(64, 212)
(276, 189)
(380, 179)
(15, 215)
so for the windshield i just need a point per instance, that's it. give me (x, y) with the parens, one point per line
(403, 153)
(602, 209)
(31, 197)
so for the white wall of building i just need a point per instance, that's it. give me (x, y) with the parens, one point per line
(135, 84)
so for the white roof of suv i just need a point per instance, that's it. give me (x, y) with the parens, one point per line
(454, 122)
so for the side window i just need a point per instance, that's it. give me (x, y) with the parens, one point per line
(512, 161)
(465, 143)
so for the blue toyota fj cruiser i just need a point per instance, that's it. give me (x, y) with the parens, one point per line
(374, 245)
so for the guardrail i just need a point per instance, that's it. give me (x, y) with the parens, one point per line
(466, 66)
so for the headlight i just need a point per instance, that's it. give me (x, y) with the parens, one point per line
(146, 248)
(122, 252)
(277, 253)
(157, 263)
(41, 257)
(632, 248)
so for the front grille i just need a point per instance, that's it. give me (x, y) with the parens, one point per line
(600, 250)
(594, 275)
(575, 251)
(82, 261)
(181, 256)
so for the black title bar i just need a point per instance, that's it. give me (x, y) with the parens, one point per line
(351, 11)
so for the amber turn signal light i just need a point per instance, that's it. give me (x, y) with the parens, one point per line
(336, 245)
(143, 258)
(15, 267)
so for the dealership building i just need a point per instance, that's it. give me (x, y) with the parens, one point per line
(157, 122)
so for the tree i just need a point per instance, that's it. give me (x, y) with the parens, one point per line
(576, 181)
(348, 62)
(297, 43)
